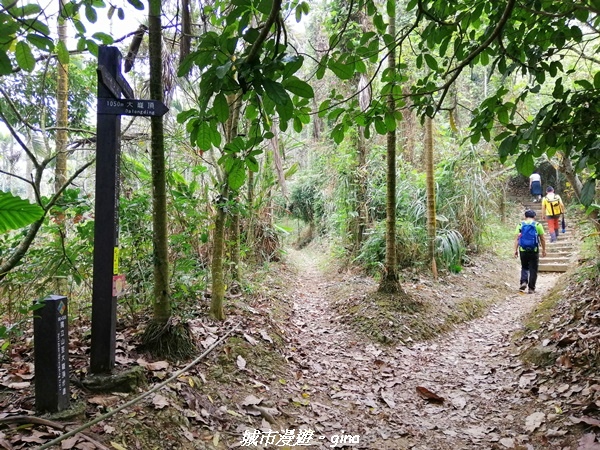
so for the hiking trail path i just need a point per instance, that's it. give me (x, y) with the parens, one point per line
(358, 387)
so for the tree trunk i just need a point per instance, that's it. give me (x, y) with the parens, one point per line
(217, 273)
(569, 171)
(234, 230)
(361, 191)
(62, 108)
(389, 281)
(162, 337)
(430, 184)
(162, 304)
(218, 250)
(186, 30)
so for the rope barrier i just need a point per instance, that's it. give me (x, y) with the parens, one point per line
(139, 397)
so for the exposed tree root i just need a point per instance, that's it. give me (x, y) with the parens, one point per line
(172, 340)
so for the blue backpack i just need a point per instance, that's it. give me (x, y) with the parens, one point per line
(528, 240)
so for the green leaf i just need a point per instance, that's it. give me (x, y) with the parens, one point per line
(16, 212)
(41, 42)
(204, 137)
(286, 112)
(186, 65)
(250, 35)
(502, 116)
(24, 56)
(597, 80)
(581, 14)
(222, 70)
(215, 136)
(252, 164)
(298, 87)
(431, 61)
(380, 125)
(221, 107)
(525, 164)
(507, 147)
(237, 175)
(550, 138)
(584, 84)
(92, 47)
(5, 65)
(379, 23)
(390, 6)
(29, 9)
(90, 14)
(35, 25)
(390, 121)
(264, 6)
(275, 92)
(62, 53)
(337, 133)
(588, 191)
(183, 116)
(251, 112)
(297, 124)
(324, 108)
(342, 71)
(320, 73)
(137, 4)
(292, 65)
(106, 39)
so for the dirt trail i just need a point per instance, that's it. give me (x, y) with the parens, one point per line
(355, 387)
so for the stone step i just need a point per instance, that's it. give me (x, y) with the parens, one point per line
(558, 254)
(554, 247)
(550, 260)
(553, 267)
(564, 241)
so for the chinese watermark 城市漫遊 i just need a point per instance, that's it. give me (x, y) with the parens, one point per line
(300, 437)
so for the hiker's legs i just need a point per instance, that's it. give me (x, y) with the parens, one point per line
(533, 269)
(536, 190)
(552, 228)
(524, 267)
(529, 268)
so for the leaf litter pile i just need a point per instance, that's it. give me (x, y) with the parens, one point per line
(300, 370)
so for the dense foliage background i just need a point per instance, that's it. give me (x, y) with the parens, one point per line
(278, 133)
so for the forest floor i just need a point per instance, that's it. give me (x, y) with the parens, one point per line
(320, 361)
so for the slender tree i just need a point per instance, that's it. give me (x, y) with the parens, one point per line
(161, 337)
(258, 66)
(223, 203)
(389, 280)
(430, 183)
(62, 105)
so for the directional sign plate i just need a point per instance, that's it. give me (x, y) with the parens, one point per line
(117, 85)
(109, 81)
(131, 107)
(124, 85)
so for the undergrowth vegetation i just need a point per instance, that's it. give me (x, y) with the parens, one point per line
(465, 200)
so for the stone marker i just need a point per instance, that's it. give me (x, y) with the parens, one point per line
(51, 354)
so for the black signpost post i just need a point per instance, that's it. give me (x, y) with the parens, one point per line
(107, 281)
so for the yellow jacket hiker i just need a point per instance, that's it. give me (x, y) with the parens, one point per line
(552, 208)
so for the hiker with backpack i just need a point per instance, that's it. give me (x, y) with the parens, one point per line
(530, 237)
(552, 208)
(535, 186)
